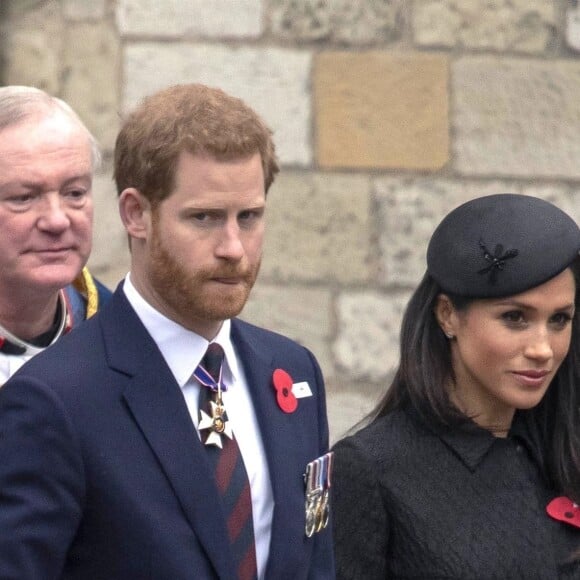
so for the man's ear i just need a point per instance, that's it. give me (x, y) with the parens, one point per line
(445, 314)
(135, 212)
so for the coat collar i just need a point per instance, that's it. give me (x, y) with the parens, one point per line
(471, 443)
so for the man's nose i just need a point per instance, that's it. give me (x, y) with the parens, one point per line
(53, 214)
(230, 243)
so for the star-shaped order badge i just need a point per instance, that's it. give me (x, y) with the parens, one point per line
(217, 424)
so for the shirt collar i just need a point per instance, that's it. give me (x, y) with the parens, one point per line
(181, 348)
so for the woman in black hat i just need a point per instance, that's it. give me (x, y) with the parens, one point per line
(469, 467)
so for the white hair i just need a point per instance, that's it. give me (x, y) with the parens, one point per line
(17, 103)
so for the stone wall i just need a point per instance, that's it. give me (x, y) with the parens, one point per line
(387, 113)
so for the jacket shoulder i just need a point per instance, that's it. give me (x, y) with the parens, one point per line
(384, 439)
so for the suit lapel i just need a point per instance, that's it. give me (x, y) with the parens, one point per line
(283, 439)
(158, 407)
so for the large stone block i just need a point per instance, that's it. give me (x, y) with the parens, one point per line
(301, 313)
(516, 117)
(343, 21)
(349, 401)
(273, 81)
(367, 343)
(318, 228)
(573, 25)
(32, 45)
(110, 256)
(381, 110)
(528, 26)
(90, 84)
(177, 18)
(84, 9)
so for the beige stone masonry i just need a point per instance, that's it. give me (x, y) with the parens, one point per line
(190, 18)
(527, 26)
(91, 60)
(516, 117)
(381, 110)
(110, 256)
(354, 23)
(304, 314)
(274, 81)
(32, 46)
(84, 9)
(573, 25)
(367, 343)
(318, 229)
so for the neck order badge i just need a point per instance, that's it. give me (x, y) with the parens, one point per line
(209, 374)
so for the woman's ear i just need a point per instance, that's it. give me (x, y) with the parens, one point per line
(445, 314)
(135, 212)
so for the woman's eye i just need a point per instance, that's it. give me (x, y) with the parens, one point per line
(513, 316)
(561, 318)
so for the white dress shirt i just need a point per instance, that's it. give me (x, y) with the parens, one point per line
(183, 350)
(10, 363)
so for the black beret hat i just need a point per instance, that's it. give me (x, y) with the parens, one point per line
(500, 245)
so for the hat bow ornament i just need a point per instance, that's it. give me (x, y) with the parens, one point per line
(496, 261)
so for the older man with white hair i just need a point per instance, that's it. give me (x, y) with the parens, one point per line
(47, 161)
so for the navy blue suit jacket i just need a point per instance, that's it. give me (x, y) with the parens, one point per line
(102, 474)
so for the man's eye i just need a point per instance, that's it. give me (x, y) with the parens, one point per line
(76, 193)
(250, 215)
(21, 199)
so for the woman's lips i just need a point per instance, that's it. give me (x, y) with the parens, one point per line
(531, 378)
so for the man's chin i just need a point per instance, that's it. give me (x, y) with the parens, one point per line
(218, 310)
(54, 277)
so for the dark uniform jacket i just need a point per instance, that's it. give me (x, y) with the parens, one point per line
(415, 503)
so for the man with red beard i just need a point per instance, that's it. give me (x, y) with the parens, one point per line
(187, 443)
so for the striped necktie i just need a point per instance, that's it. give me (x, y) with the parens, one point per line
(230, 475)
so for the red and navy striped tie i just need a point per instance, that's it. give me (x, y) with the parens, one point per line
(231, 478)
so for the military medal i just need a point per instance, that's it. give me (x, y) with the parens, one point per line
(317, 495)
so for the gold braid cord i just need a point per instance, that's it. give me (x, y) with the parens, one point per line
(85, 284)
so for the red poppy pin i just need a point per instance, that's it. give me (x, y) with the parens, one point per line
(564, 510)
(284, 396)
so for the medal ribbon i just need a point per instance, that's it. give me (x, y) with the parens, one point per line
(205, 378)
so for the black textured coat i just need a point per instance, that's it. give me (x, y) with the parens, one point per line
(415, 503)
